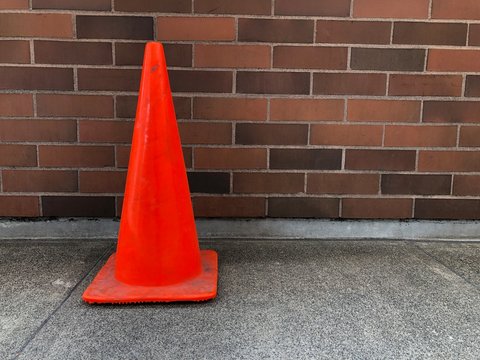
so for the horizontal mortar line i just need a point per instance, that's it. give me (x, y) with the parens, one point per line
(336, 196)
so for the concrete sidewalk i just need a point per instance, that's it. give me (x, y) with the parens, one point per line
(277, 299)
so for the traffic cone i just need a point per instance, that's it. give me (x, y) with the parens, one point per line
(158, 258)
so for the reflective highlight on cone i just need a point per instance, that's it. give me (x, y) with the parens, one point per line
(158, 257)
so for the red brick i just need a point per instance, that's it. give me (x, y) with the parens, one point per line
(24, 206)
(340, 8)
(420, 136)
(302, 207)
(35, 78)
(109, 79)
(389, 160)
(275, 30)
(38, 130)
(16, 105)
(377, 208)
(306, 109)
(165, 6)
(456, 9)
(246, 7)
(72, 52)
(453, 60)
(271, 134)
(90, 206)
(451, 111)
(201, 81)
(188, 156)
(94, 5)
(72, 156)
(14, 4)
(349, 84)
(268, 183)
(36, 25)
(309, 57)
(256, 82)
(105, 131)
(230, 158)
(209, 108)
(425, 85)
(353, 32)
(195, 28)
(466, 185)
(470, 136)
(18, 155)
(114, 27)
(406, 184)
(414, 9)
(74, 105)
(15, 52)
(336, 183)
(39, 181)
(349, 135)
(383, 110)
(216, 206)
(418, 33)
(450, 209)
(205, 133)
(102, 181)
(122, 155)
(449, 161)
(232, 56)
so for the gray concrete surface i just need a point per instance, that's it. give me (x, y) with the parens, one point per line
(276, 300)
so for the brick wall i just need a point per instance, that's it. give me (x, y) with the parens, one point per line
(305, 108)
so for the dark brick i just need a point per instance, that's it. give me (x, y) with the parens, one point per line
(132, 54)
(466, 185)
(209, 182)
(114, 27)
(91, 206)
(164, 6)
(271, 134)
(313, 8)
(241, 7)
(416, 184)
(472, 86)
(73, 156)
(250, 82)
(305, 159)
(352, 32)
(388, 59)
(109, 79)
(310, 57)
(390, 160)
(296, 207)
(341, 183)
(278, 30)
(105, 131)
(449, 209)
(430, 33)
(35, 78)
(72, 52)
(451, 111)
(95, 5)
(102, 181)
(201, 81)
(74, 105)
(349, 84)
(14, 51)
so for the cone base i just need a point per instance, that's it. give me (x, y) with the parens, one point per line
(106, 289)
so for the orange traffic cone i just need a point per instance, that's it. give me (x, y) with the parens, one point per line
(158, 258)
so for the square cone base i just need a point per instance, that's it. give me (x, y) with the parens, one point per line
(106, 289)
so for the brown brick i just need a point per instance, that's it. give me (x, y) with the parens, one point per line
(75, 156)
(188, 157)
(73, 52)
(229, 108)
(349, 84)
(388, 59)
(453, 60)
(36, 25)
(420, 136)
(456, 9)
(14, 51)
(306, 159)
(335, 183)
(470, 136)
(309, 57)
(195, 28)
(165, 6)
(271, 134)
(340, 8)
(245, 7)
(416, 184)
(472, 86)
(349, 135)
(468, 185)
(353, 32)
(389, 160)
(127, 106)
(306, 109)
(109, 79)
(105, 131)
(474, 35)
(14, 4)
(449, 209)
(230, 158)
(16, 105)
(74, 105)
(132, 54)
(425, 85)
(205, 133)
(268, 183)
(183, 107)
(91, 206)
(377, 208)
(216, 206)
(98, 5)
(451, 111)
(35, 78)
(298, 207)
(38, 130)
(39, 181)
(19, 206)
(414, 9)
(275, 30)
(201, 81)
(383, 110)
(209, 182)
(232, 56)
(122, 155)
(418, 33)
(114, 27)
(18, 155)
(102, 181)
(250, 82)
(449, 161)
